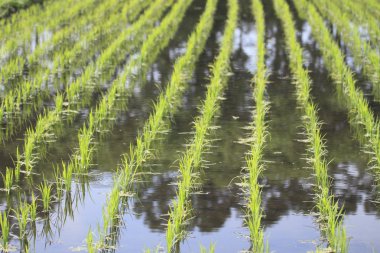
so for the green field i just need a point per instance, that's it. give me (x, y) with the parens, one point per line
(190, 126)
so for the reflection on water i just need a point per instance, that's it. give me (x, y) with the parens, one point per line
(349, 165)
(217, 207)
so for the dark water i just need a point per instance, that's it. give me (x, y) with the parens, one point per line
(218, 216)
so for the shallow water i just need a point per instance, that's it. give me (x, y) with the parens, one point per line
(218, 207)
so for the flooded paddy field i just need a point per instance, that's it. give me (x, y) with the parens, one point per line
(190, 126)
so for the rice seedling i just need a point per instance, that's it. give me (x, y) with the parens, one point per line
(8, 179)
(128, 14)
(62, 11)
(5, 230)
(67, 170)
(85, 151)
(90, 242)
(67, 173)
(360, 114)
(58, 183)
(360, 15)
(166, 104)
(39, 134)
(81, 67)
(58, 43)
(330, 214)
(45, 190)
(373, 7)
(364, 55)
(191, 159)
(68, 59)
(81, 160)
(43, 132)
(105, 108)
(254, 162)
(17, 169)
(10, 6)
(22, 214)
(92, 16)
(22, 18)
(33, 208)
(26, 248)
(211, 249)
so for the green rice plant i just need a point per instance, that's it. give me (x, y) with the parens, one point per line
(17, 169)
(7, 7)
(81, 160)
(26, 248)
(33, 208)
(55, 15)
(69, 58)
(45, 190)
(43, 132)
(85, 151)
(8, 180)
(362, 17)
(18, 19)
(211, 249)
(90, 242)
(364, 55)
(92, 16)
(128, 14)
(373, 7)
(33, 137)
(149, 48)
(190, 161)
(67, 170)
(255, 166)
(22, 214)
(58, 183)
(110, 214)
(27, 16)
(360, 115)
(330, 215)
(166, 104)
(67, 174)
(5, 230)
(60, 41)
